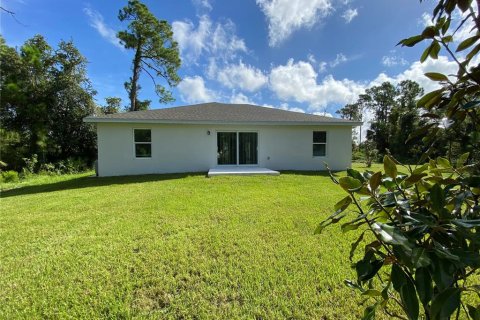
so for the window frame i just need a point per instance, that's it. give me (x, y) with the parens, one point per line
(320, 143)
(135, 143)
(237, 145)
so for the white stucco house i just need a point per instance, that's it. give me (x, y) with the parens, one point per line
(198, 138)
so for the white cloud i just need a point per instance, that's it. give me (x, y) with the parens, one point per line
(323, 113)
(193, 90)
(349, 14)
(297, 81)
(240, 98)
(322, 66)
(416, 72)
(287, 16)
(216, 39)
(190, 40)
(225, 41)
(426, 19)
(286, 107)
(339, 59)
(202, 4)
(242, 76)
(97, 22)
(468, 29)
(392, 60)
(465, 31)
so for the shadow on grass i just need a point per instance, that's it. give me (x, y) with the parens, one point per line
(88, 182)
(308, 173)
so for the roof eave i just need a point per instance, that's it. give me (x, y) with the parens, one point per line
(156, 121)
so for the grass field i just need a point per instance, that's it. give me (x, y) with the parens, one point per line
(174, 246)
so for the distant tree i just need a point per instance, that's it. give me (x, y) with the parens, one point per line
(45, 95)
(72, 94)
(395, 117)
(380, 99)
(404, 119)
(155, 52)
(113, 105)
(352, 112)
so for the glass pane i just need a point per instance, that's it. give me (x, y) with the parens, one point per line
(247, 146)
(227, 147)
(143, 150)
(143, 135)
(319, 150)
(319, 136)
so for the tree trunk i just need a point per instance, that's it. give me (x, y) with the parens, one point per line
(135, 77)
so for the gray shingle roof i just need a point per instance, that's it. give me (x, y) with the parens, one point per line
(219, 113)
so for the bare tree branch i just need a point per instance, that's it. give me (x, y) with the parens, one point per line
(11, 13)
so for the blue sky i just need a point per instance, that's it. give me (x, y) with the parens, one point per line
(302, 55)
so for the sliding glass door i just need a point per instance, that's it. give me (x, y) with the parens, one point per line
(247, 148)
(237, 148)
(227, 147)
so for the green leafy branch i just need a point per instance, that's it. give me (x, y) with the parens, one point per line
(425, 225)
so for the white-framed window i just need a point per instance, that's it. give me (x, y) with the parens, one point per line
(142, 143)
(319, 143)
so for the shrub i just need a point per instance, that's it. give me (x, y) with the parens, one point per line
(10, 176)
(48, 168)
(30, 165)
(358, 155)
(371, 153)
(425, 224)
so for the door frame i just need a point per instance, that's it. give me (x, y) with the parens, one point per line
(237, 147)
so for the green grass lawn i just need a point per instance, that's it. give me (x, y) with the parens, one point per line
(174, 246)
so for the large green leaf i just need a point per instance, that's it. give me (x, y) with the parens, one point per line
(435, 76)
(390, 167)
(410, 42)
(391, 235)
(398, 277)
(467, 43)
(437, 198)
(424, 285)
(350, 226)
(445, 303)
(372, 293)
(443, 162)
(421, 169)
(405, 287)
(414, 178)
(443, 272)
(462, 159)
(467, 223)
(420, 257)
(355, 245)
(471, 104)
(375, 180)
(350, 184)
(343, 204)
(355, 174)
(409, 299)
(429, 32)
(367, 269)
(473, 312)
(464, 5)
(369, 313)
(429, 97)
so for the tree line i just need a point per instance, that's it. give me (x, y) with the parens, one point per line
(398, 126)
(46, 93)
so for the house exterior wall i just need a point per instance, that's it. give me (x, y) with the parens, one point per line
(188, 148)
